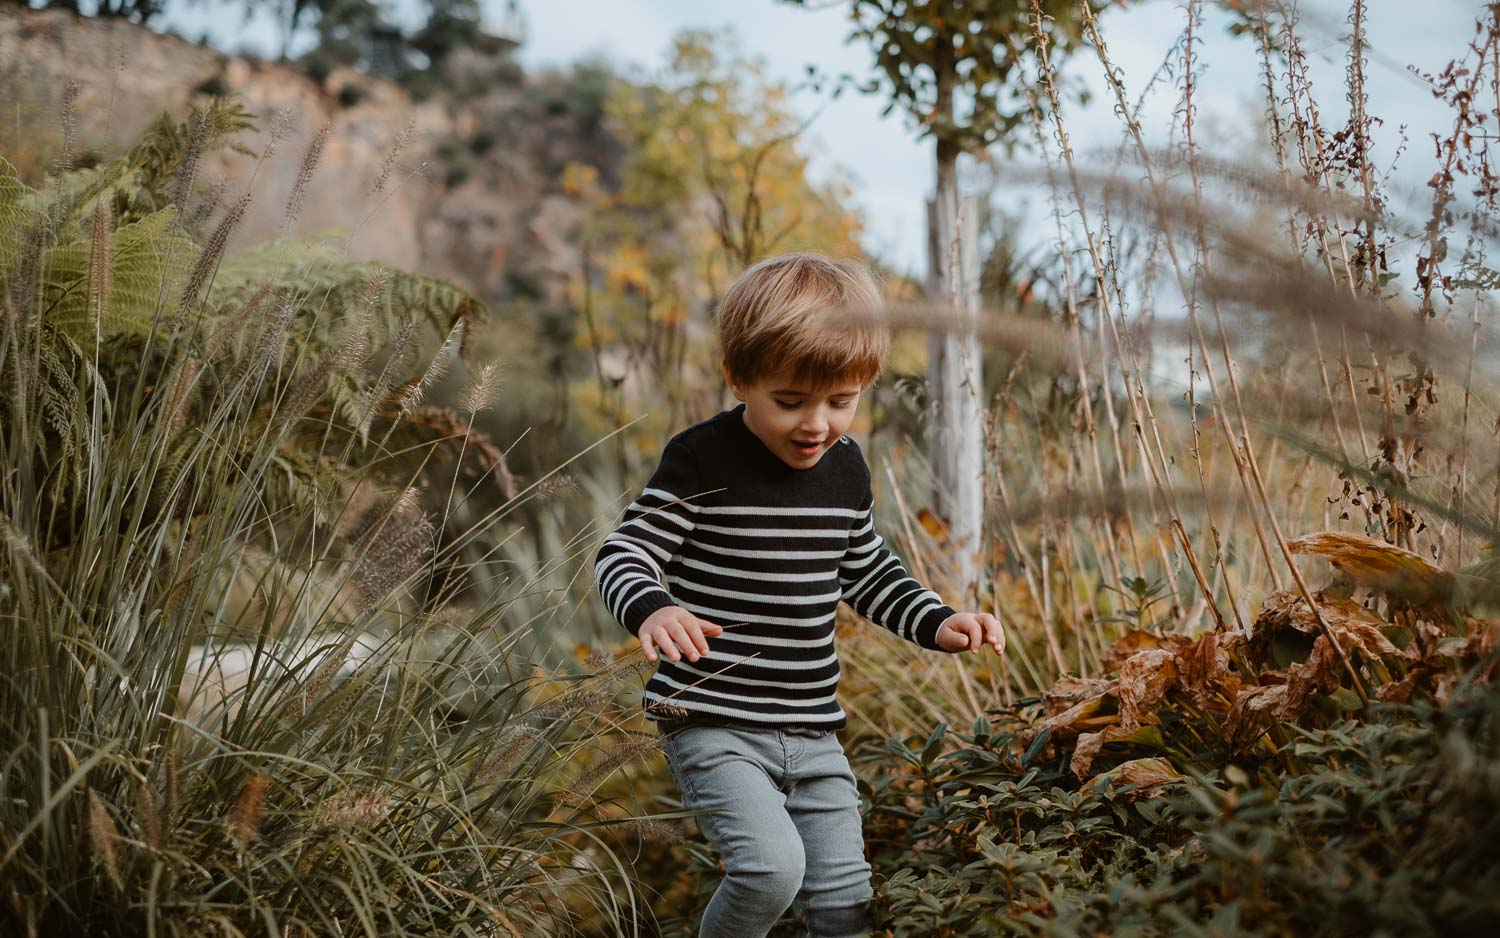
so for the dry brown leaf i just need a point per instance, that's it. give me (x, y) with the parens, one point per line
(1144, 678)
(1248, 706)
(1151, 775)
(1354, 626)
(1079, 718)
(1137, 640)
(1203, 672)
(1069, 691)
(1394, 570)
(1090, 744)
(1306, 679)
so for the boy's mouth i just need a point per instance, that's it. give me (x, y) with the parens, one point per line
(806, 448)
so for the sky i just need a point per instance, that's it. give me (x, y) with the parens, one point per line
(892, 168)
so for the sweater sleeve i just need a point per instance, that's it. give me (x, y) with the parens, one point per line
(629, 567)
(879, 588)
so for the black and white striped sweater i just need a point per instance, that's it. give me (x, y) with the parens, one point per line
(766, 550)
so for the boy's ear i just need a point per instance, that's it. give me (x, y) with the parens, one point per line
(734, 385)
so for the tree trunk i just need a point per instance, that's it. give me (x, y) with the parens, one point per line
(955, 429)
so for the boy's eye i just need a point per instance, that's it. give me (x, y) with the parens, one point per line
(841, 404)
(789, 405)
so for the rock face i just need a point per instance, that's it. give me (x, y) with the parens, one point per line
(498, 227)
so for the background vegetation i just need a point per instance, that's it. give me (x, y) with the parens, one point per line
(294, 645)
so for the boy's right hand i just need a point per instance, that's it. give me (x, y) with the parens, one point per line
(671, 628)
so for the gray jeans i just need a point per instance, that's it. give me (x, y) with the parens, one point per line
(783, 811)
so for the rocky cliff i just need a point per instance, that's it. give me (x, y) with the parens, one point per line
(470, 195)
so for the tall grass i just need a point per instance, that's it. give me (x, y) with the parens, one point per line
(250, 683)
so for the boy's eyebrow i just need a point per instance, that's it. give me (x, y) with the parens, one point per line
(805, 393)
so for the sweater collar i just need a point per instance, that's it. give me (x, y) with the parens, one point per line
(734, 418)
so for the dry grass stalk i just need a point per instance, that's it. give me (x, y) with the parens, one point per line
(148, 814)
(68, 121)
(347, 812)
(512, 744)
(480, 391)
(213, 251)
(389, 164)
(105, 837)
(19, 546)
(187, 169)
(249, 809)
(208, 202)
(310, 161)
(180, 394)
(396, 541)
(650, 830)
(412, 392)
(99, 279)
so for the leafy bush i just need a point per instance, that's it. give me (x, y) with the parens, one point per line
(1251, 791)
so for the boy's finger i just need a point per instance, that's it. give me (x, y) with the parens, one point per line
(663, 638)
(684, 641)
(648, 646)
(695, 632)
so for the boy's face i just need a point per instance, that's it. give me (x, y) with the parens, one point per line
(797, 421)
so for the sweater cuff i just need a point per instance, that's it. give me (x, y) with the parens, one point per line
(640, 609)
(924, 633)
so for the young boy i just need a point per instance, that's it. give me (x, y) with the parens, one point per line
(753, 527)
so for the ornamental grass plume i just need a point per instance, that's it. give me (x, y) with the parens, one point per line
(105, 838)
(243, 823)
(481, 390)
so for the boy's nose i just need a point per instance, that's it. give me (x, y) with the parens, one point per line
(816, 426)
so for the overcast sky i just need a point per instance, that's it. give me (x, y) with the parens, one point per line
(890, 167)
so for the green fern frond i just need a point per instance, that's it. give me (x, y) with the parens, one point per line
(148, 264)
(18, 217)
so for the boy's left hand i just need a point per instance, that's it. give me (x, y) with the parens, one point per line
(970, 631)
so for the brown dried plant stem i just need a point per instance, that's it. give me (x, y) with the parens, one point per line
(1157, 467)
(1245, 461)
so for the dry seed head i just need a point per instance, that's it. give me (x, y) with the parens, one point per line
(281, 125)
(212, 251)
(207, 203)
(435, 369)
(355, 347)
(315, 686)
(668, 709)
(68, 120)
(148, 815)
(556, 486)
(17, 544)
(623, 754)
(650, 829)
(99, 280)
(310, 162)
(345, 812)
(390, 158)
(174, 785)
(380, 390)
(481, 391)
(175, 412)
(305, 392)
(249, 808)
(392, 554)
(187, 170)
(104, 834)
(511, 745)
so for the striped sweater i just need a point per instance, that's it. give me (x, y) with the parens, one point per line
(730, 532)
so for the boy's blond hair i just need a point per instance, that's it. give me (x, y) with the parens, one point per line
(817, 317)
